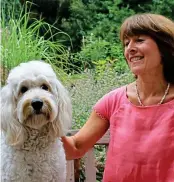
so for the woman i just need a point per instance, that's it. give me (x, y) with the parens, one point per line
(140, 115)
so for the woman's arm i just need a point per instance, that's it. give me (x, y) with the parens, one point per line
(76, 146)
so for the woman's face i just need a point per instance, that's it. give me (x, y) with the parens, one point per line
(142, 55)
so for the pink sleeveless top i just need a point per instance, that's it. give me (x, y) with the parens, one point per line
(141, 147)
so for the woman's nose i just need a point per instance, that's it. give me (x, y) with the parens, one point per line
(131, 48)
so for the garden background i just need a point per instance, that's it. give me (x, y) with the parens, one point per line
(80, 38)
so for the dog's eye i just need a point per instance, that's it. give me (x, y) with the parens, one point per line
(44, 87)
(23, 89)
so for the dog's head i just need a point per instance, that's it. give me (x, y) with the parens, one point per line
(33, 97)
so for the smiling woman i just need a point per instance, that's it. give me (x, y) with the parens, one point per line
(158, 28)
(148, 41)
(139, 55)
(140, 115)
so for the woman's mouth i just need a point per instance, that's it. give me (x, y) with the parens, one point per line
(136, 59)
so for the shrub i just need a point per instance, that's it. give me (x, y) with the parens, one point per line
(86, 90)
(97, 53)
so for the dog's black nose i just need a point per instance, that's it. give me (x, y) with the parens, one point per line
(37, 104)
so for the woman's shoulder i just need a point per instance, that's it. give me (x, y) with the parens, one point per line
(117, 92)
(110, 102)
(114, 98)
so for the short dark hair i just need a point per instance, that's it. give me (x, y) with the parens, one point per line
(161, 30)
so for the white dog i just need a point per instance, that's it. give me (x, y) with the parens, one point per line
(35, 113)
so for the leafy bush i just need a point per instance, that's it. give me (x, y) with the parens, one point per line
(97, 54)
(86, 90)
(93, 50)
(163, 7)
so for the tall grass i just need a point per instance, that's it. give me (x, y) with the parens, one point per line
(21, 43)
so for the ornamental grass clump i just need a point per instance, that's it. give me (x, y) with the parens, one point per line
(21, 42)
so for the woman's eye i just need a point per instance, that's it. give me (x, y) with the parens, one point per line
(140, 40)
(44, 87)
(126, 44)
(23, 89)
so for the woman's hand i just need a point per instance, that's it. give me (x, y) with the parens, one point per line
(76, 146)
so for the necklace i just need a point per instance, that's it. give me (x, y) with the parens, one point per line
(162, 99)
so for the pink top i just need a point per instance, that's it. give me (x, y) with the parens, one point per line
(141, 145)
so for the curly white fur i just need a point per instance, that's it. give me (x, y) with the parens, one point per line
(31, 149)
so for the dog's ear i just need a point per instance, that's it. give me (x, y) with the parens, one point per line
(12, 129)
(64, 118)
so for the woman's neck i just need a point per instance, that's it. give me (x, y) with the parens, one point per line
(151, 85)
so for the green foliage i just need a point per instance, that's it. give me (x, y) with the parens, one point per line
(93, 50)
(164, 7)
(22, 43)
(100, 155)
(99, 54)
(106, 24)
(77, 24)
(10, 7)
(86, 90)
(100, 68)
(100, 34)
(119, 66)
(93, 25)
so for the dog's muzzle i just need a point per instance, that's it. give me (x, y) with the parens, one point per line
(37, 105)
